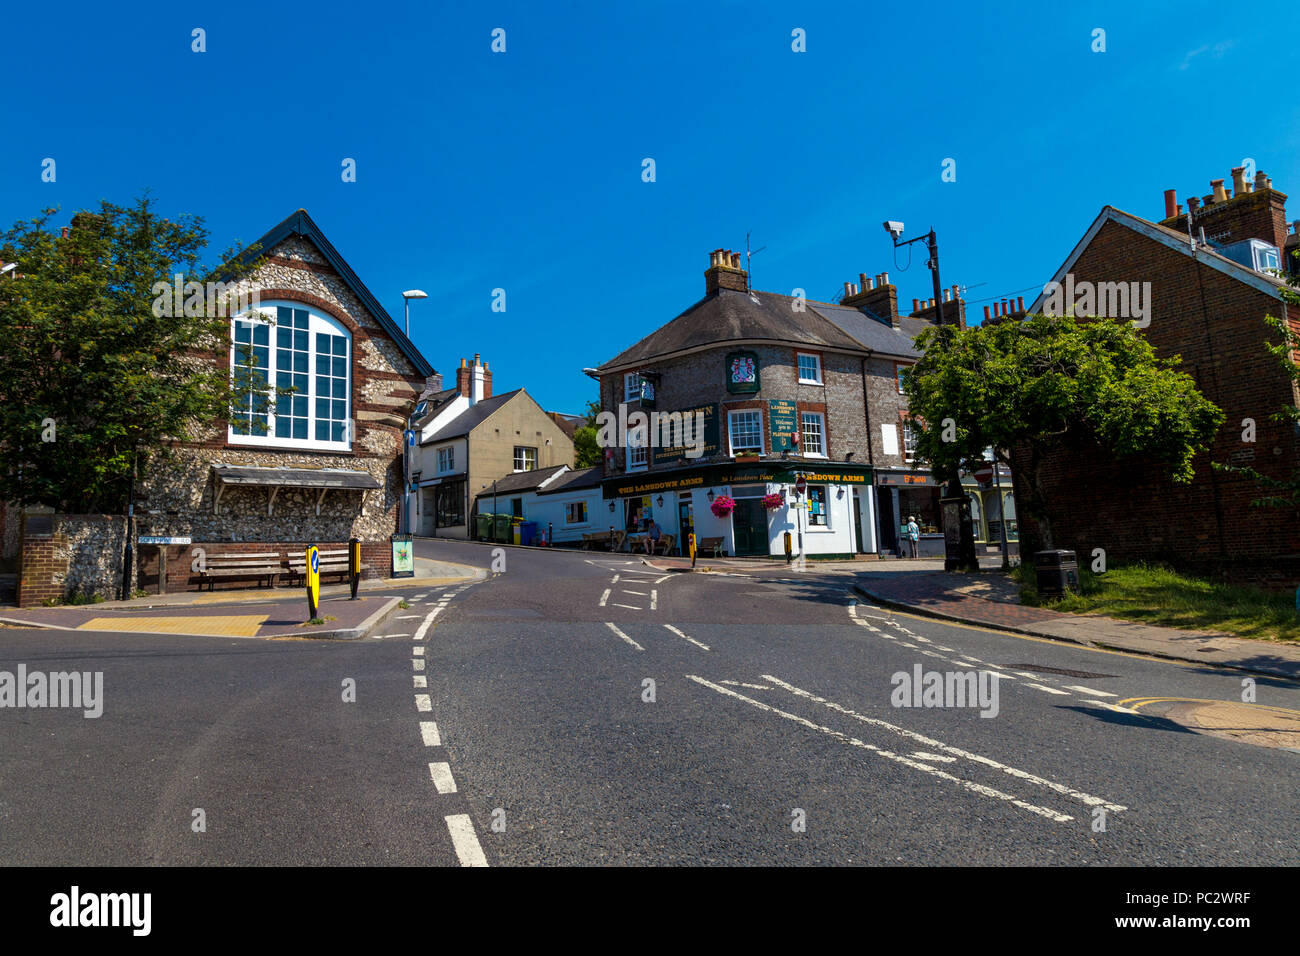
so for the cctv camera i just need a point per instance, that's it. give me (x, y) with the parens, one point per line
(894, 228)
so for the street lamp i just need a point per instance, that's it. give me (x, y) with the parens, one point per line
(965, 558)
(407, 296)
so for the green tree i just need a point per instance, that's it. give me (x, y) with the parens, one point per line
(587, 450)
(1279, 492)
(1048, 383)
(98, 369)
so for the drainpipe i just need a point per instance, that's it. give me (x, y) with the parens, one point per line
(871, 453)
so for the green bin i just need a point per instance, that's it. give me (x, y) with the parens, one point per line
(482, 526)
(501, 529)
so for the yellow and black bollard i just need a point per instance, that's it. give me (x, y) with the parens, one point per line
(312, 573)
(354, 565)
(690, 543)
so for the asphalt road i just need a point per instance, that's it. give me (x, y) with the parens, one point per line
(767, 736)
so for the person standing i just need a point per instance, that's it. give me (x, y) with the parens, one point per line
(913, 535)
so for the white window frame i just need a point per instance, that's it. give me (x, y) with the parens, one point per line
(517, 458)
(731, 430)
(817, 363)
(638, 456)
(317, 324)
(909, 454)
(803, 438)
(446, 459)
(631, 387)
(826, 514)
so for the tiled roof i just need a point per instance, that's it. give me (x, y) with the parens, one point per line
(465, 422)
(522, 481)
(575, 481)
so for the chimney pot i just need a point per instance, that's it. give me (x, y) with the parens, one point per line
(1238, 180)
(916, 305)
(462, 363)
(986, 313)
(1180, 209)
(1171, 202)
(1261, 181)
(847, 287)
(1208, 200)
(871, 284)
(954, 292)
(1020, 303)
(1220, 194)
(1193, 204)
(862, 278)
(996, 313)
(884, 278)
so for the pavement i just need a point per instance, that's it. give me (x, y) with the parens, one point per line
(263, 612)
(991, 599)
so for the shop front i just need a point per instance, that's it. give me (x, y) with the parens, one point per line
(902, 494)
(751, 507)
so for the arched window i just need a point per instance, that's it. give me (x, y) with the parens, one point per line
(292, 371)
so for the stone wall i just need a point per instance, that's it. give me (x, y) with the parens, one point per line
(66, 555)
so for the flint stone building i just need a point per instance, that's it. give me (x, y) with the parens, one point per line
(320, 466)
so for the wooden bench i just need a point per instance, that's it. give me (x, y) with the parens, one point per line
(611, 540)
(331, 562)
(263, 565)
(709, 545)
(636, 542)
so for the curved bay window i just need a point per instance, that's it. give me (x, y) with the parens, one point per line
(292, 377)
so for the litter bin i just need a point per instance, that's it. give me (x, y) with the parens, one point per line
(482, 526)
(501, 529)
(1057, 572)
(528, 533)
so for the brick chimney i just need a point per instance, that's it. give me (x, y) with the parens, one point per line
(474, 381)
(954, 309)
(1253, 211)
(724, 272)
(875, 295)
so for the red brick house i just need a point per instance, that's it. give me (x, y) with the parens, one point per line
(1206, 301)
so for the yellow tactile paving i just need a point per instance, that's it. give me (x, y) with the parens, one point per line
(233, 625)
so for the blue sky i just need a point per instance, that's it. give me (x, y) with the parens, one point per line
(522, 170)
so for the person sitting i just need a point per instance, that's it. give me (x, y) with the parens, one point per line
(653, 534)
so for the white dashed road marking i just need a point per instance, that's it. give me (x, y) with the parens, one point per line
(465, 841)
(1050, 814)
(417, 652)
(685, 637)
(429, 733)
(419, 680)
(624, 636)
(1048, 690)
(423, 703)
(603, 598)
(443, 781)
(1089, 690)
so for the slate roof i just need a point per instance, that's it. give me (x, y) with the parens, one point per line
(522, 481)
(729, 315)
(294, 477)
(301, 224)
(468, 420)
(575, 481)
(873, 332)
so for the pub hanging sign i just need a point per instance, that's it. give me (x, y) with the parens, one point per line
(742, 372)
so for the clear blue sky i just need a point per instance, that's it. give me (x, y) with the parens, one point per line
(522, 170)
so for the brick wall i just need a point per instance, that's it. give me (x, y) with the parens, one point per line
(64, 555)
(1127, 507)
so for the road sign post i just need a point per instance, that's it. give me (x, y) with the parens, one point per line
(312, 574)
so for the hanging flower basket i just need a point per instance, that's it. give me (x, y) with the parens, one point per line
(774, 501)
(723, 505)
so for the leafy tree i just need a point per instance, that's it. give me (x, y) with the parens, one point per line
(99, 370)
(1048, 383)
(1279, 492)
(588, 452)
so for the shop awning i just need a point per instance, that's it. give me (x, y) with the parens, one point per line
(273, 479)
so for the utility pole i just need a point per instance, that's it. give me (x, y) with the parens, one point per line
(965, 559)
